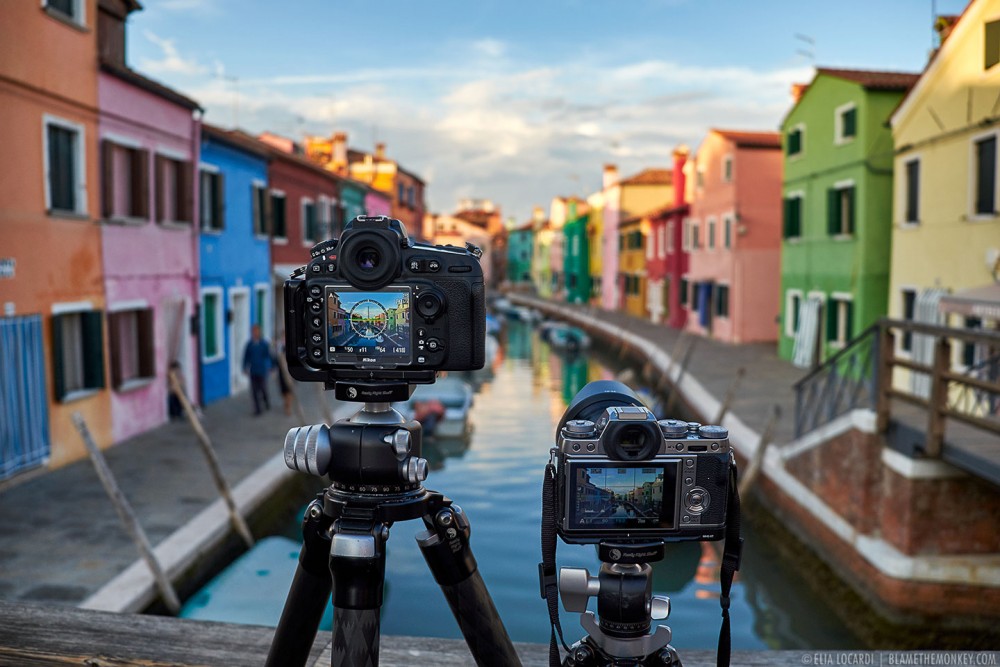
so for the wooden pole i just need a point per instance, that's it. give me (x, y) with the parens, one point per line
(886, 351)
(672, 399)
(730, 394)
(283, 369)
(757, 460)
(127, 516)
(938, 398)
(213, 462)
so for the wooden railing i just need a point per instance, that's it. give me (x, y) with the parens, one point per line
(863, 373)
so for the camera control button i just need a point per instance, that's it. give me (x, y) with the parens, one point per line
(315, 268)
(316, 290)
(429, 305)
(415, 265)
(315, 306)
(316, 338)
(433, 265)
(689, 463)
(421, 359)
(331, 267)
(461, 268)
(317, 322)
(421, 333)
(317, 353)
(433, 344)
(697, 500)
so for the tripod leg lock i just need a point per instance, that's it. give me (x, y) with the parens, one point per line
(445, 545)
(357, 563)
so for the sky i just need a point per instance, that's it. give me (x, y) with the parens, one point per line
(516, 101)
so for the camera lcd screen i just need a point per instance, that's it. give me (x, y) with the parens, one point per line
(630, 497)
(366, 328)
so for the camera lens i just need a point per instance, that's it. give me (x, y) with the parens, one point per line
(369, 259)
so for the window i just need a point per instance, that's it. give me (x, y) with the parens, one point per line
(700, 177)
(124, 182)
(969, 356)
(651, 248)
(839, 320)
(711, 234)
(793, 141)
(211, 325)
(728, 233)
(261, 308)
(986, 175)
(72, 10)
(722, 300)
(695, 240)
(909, 297)
(65, 169)
(174, 199)
(840, 210)
(912, 185)
(309, 222)
(727, 169)
(845, 123)
(661, 232)
(793, 217)
(991, 41)
(683, 292)
(77, 353)
(212, 201)
(793, 309)
(411, 196)
(686, 236)
(401, 194)
(132, 346)
(279, 226)
(670, 236)
(261, 209)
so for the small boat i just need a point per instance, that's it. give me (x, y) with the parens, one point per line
(568, 338)
(456, 397)
(493, 325)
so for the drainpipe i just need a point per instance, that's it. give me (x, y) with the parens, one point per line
(196, 244)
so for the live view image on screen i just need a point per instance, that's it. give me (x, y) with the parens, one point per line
(373, 324)
(624, 497)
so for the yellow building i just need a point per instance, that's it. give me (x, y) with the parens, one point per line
(595, 243)
(946, 227)
(632, 237)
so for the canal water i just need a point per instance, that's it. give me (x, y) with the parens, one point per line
(496, 477)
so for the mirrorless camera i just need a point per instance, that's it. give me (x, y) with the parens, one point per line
(624, 475)
(374, 306)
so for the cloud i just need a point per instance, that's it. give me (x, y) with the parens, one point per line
(172, 62)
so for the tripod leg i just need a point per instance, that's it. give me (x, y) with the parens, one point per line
(355, 637)
(445, 546)
(307, 598)
(357, 562)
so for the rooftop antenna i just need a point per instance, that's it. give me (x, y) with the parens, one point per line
(809, 51)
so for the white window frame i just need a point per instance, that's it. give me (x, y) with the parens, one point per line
(844, 185)
(838, 124)
(81, 164)
(306, 241)
(211, 169)
(801, 196)
(695, 235)
(71, 308)
(81, 11)
(256, 184)
(125, 306)
(279, 240)
(220, 340)
(789, 323)
(801, 127)
(843, 336)
(973, 216)
(181, 157)
(904, 191)
(727, 160)
(729, 300)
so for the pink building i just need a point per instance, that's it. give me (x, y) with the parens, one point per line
(733, 236)
(149, 137)
(378, 203)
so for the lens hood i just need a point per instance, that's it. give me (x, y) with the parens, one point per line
(595, 398)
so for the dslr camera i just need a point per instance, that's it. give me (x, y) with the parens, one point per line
(373, 306)
(622, 475)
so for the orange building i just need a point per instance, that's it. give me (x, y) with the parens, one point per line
(52, 339)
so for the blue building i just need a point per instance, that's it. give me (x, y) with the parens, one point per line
(235, 257)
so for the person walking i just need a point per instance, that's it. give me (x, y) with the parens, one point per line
(257, 363)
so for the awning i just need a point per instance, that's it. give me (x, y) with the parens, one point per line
(982, 302)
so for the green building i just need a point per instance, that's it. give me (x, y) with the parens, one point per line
(576, 254)
(520, 245)
(352, 201)
(837, 192)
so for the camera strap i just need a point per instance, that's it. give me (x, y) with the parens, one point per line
(732, 552)
(547, 581)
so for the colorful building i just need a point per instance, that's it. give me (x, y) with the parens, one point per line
(837, 199)
(235, 261)
(595, 244)
(945, 225)
(520, 241)
(623, 200)
(667, 259)
(633, 238)
(52, 326)
(576, 253)
(541, 268)
(352, 203)
(735, 232)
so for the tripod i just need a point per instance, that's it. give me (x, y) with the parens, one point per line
(373, 460)
(625, 606)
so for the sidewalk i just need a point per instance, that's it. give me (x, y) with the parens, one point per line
(60, 537)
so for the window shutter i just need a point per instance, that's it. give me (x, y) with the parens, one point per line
(58, 372)
(219, 200)
(93, 349)
(107, 179)
(159, 169)
(832, 211)
(185, 192)
(831, 319)
(850, 210)
(115, 347)
(147, 343)
(850, 122)
(849, 315)
(267, 222)
(140, 183)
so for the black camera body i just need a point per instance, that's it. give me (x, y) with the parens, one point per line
(374, 306)
(622, 475)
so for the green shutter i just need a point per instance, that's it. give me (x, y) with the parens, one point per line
(850, 122)
(58, 367)
(850, 210)
(849, 309)
(831, 319)
(832, 212)
(93, 349)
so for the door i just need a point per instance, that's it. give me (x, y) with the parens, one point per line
(239, 336)
(24, 417)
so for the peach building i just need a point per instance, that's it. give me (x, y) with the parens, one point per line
(733, 236)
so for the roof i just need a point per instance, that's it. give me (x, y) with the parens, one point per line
(650, 176)
(651, 213)
(873, 79)
(156, 88)
(476, 217)
(669, 210)
(745, 139)
(524, 227)
(237, 139)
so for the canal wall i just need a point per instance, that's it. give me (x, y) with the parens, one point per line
(916, 539)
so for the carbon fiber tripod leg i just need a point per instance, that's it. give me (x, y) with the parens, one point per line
(445, 546)
(355, 637)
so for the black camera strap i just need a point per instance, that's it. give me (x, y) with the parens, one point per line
(732, 552)
(548, 582)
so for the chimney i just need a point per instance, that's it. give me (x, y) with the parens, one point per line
(943, 25)
(380, 151)
(679, 179)
(537, 215)
(610, 175)
(338, 151)
(798, 90)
